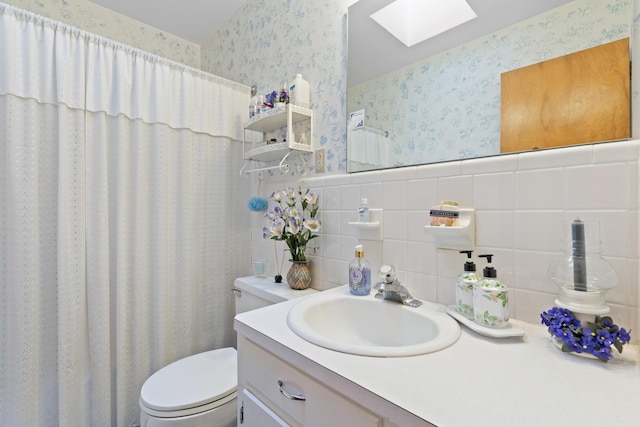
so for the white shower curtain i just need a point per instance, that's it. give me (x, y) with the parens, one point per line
(119, 227)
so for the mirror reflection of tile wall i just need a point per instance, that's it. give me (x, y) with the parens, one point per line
(448, 106)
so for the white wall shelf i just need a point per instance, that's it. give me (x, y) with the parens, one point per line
(371, 230)
(276, 118)
(459, 237)
(255, 149)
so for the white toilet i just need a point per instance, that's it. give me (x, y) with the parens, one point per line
(201, 390)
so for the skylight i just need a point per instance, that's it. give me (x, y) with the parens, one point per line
(413, 21)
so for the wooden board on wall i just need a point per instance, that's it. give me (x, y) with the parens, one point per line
(574, 99)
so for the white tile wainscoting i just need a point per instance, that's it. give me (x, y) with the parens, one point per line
(520, 202)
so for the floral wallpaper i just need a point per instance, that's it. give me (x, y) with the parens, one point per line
(454, 98)
(99, 20)
(268, 42)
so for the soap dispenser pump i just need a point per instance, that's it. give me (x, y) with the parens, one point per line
(490, 300)
(464, 287)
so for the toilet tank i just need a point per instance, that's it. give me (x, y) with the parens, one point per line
(255, 292)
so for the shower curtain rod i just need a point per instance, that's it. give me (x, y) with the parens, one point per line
(374, 130)
(26, 15)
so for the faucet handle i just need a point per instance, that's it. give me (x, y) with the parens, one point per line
(387, 273)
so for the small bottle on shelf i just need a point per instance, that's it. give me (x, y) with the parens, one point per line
(300, 94)
(363, 210)
(261, 105)
(253, 104)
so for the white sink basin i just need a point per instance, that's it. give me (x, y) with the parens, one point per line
(368, 326)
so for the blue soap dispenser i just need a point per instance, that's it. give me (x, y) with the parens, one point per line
(359, 274)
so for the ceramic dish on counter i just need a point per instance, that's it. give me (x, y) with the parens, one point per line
(508, 332)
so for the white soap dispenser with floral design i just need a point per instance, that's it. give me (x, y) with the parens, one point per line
(490, 300)
(464, 287)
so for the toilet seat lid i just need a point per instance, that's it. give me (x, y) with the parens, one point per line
(193, 381)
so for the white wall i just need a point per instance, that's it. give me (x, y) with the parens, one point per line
(520, 202)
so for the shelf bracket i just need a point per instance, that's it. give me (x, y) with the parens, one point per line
(303, 168)
(284, 167)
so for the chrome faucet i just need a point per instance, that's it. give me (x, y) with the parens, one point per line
(391, 289)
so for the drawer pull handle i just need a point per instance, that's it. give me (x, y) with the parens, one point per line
(288, 395)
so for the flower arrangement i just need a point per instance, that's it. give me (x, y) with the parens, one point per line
(293, 220)
(277, 96)
(595, 338)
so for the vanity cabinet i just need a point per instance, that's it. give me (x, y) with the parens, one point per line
(272, 392)
(254, 146)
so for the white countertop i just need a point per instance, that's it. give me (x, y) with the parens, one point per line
(266, 288)
(478, 381)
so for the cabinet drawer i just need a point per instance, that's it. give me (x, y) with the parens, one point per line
(254, 413)
(261, 372)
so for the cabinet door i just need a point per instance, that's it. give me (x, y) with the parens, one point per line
(253, 413)
(578, 98)
(274, 380)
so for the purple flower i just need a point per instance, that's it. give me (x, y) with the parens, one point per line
(623, 336)
(607, 322)
(272, 97)
(292, 212)
(277, 228)
(283, 96)
(293, 226)
(276, 196)
(603, 338)
(312, 224)
(602, 353)
(587, 341)
(574, 346)
(565, 335)
(290, 192)
(310, 197)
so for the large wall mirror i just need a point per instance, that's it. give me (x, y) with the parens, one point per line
(440, 99)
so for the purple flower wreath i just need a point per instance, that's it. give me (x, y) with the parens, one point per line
(595, 338)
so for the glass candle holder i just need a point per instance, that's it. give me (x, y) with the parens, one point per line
(580, 272)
